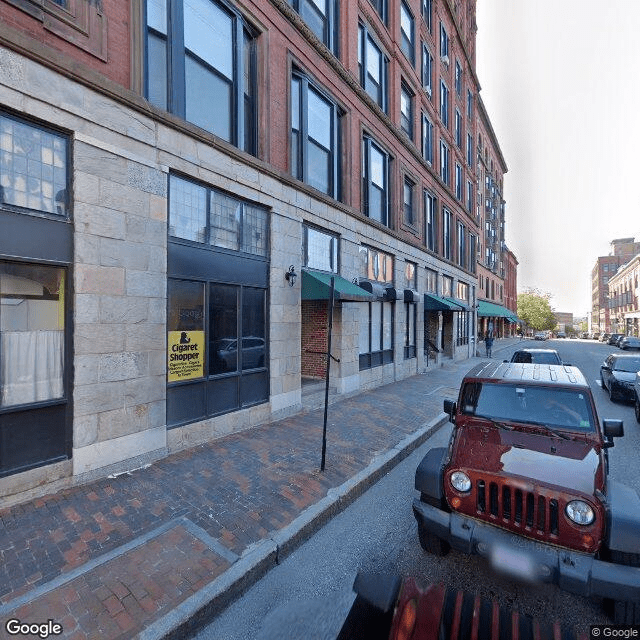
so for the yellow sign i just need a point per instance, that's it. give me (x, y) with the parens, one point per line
(185, 353)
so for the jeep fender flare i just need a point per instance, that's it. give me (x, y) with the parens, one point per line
(623, 518)
(430, 472)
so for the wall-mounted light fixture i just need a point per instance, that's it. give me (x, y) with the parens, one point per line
(291, 276)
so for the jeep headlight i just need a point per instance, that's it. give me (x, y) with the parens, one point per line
(460, 481)
(580, 512)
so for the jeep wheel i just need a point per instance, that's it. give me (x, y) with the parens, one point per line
(625, 612)
(637, 409)
(431, 543)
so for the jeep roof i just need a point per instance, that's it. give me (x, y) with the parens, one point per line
(545, 374)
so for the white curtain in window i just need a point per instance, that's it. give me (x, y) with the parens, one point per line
(30, 366)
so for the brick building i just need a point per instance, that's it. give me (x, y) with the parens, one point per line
(179, 184)
(624, 298)
(622, 250)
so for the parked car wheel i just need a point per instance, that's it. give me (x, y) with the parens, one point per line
(625, 612)
(637, 409)
(602, 384)
(612, 396)
(431, 543)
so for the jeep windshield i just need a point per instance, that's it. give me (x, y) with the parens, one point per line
(567, 409)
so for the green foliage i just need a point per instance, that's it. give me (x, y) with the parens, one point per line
(534, 308)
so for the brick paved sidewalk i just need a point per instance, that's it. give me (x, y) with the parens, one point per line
(117, 556)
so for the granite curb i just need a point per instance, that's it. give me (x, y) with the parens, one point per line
(259, 558)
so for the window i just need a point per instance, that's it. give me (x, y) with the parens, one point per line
(410, 275)
(447, 286)
(34, 168)
(469, 150)
(431, 239)
(458, 79)
(410, 330)
(469, 196)
(446, 234)
(444, 162)
(458, 129)
(458, 182)
(427, 70)
(444, 44)
(321, 16)
(462, 291)
(375, 181)
(376, 334)
(444, 104)
(427, 139)
(320, 250)
(462, 333)
(461, 256)
(376, 265)
(201, 66)
(314, 137)
(210, 217)
(406, 110)
(227, 322)
(32, 333)
(473, 244)
(407, 202)
(382, 7)
(372, 65)
(407, 30)
(469, 104)
(432, 281)
(427, 13)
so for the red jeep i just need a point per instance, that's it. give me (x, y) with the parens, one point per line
(524, 483)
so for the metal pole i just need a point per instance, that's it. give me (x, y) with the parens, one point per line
(326, 385)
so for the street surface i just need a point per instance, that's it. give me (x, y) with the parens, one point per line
(309, 594)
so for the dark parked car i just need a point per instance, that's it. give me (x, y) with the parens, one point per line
(629, 342)
(617, 375)
(536, 356)
(524, 483)
(614, 338)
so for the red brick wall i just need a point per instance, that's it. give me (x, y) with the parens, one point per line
(314, 338)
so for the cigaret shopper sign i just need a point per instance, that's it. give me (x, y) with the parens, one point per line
(185, 352)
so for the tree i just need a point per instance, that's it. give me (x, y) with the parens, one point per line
(534, 308)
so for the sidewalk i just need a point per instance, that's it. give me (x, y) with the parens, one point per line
(152, 552)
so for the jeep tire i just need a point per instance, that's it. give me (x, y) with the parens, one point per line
(625, 612)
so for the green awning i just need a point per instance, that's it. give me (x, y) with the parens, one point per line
(491, 310)
(432, 302)
(317, 286)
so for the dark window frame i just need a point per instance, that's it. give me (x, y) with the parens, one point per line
(364, 37)
(68, 199)
(243, 108)
(334, 247)
(408, 207)
(408, 41)
(300, 169)
(406, 120)
(330, 36)
(431, 221)
(368, 144)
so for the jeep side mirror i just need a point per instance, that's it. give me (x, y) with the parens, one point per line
(450, 408)
(613, 428)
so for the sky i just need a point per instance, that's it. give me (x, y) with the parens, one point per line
(560, 80)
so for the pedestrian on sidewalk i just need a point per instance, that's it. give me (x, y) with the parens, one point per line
(488, 342)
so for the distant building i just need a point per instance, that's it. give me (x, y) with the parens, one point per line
(622, 250)
(624, 302)
(564, 320)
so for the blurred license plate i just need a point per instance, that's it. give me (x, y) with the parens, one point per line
(517, 564)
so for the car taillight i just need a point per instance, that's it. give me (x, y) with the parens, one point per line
(407, 621)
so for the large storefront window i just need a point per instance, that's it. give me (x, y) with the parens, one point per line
(31, 333)
(217, 346)
(376, 334)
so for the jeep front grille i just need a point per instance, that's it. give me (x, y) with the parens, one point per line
(516, 507)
